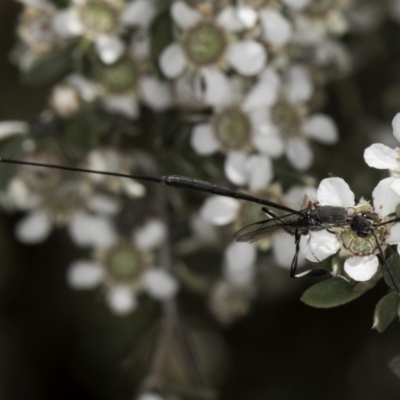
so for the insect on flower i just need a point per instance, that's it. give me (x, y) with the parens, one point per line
(351, 224)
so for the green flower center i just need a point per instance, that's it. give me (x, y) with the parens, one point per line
(286, 118)
(232, 127)
(120, 76)
(99, 17)
(204, 44)
(124, 263)
(363, 245)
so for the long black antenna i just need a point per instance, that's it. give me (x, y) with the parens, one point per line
(177, 181)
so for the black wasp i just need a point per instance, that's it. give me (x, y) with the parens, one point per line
(297, 223)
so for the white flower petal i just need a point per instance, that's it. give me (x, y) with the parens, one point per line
(172, 61)
(150, 235)
(203, 140)
(87, 89)
(216, 87)
(87, 230)
(67, 23)
(317, 246)
(395, 186)
(283, 250)
(240, 259)
(260, 172)
(296, 4)
(298, 86)
(160, 284)
(262, 94)
(34, 228)
(103, 204)
(277, 29)
(394, 235)
(229, 19)
(396, 126)
(84, 274)
(203, 229)
(335, 192)
(122, 104)
(272, 145)
(248, 16)
(361, 269)
(10, 128)
(133, 188)
(385, 200)
(157, 95)
(109, 48)
(121, 300)
(220, 210)
(299, 153)
(138, 13)
(296, 195)
(185, 16)
(235, 167)
(322, 128)
(382, 157)
(248, 57)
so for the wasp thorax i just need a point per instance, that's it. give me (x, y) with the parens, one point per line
(126, 264)
(232, 127)
(99, 17)
(40, 179)
(204, 44)
(286, 117)
(120, 76)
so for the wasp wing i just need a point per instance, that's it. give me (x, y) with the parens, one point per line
(253, 232)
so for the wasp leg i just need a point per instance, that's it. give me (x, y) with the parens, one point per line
(293, 267)
(384, 262)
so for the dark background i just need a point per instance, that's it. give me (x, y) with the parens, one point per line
(59, 344)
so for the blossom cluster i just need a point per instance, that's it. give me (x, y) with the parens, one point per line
(228, 91)
(241, 82)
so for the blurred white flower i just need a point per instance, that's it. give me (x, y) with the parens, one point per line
(285, 126)
(124, 268)
(205, 43)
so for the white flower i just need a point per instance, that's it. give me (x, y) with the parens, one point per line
(247, 56)
(236, 127)
(125, 268)
(360, 251)
(284, 126)
(102, 21)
